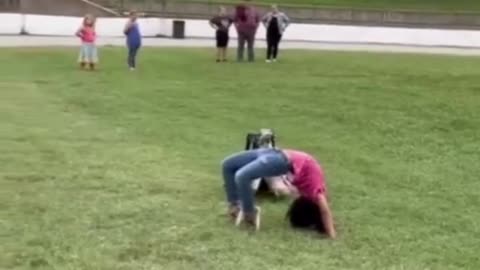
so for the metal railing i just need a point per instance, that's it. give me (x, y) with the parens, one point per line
(102, 7)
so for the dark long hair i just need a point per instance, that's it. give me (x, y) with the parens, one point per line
(305, 214)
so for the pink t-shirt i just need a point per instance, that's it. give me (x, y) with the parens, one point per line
(308, 175)
(87, 34)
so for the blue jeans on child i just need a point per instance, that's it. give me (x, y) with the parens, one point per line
(88, 53)
(241, 169)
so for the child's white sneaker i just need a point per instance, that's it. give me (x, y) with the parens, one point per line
(251, 220)
(239, 218)
(254, 220)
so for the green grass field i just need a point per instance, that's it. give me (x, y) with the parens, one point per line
(423, 5)
(119, 170)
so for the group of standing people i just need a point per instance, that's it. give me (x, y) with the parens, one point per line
(88, 56)
(246, 20)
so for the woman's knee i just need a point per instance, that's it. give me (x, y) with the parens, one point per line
(228, 162)
(237, 175)
(241, 177)
(225, 163)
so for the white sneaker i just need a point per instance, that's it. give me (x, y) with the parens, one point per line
(268, 61)
(132, 69)
(275, 60)
(257, 218)
(255, 223)
(239, 218)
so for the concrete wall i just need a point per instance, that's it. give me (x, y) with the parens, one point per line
(152, 27)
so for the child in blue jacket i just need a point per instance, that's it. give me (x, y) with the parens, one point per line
(134, 39)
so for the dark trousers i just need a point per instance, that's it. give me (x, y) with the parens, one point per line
(273, 40)
(250, 41)
(132, 54)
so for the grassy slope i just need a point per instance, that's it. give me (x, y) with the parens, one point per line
(118, 170)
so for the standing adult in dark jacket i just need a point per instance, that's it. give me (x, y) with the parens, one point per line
(275, 22)
(221, 23)
(246, 20)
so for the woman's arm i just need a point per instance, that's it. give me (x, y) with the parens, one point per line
(265, 19)
(281, 185)
(235, 17)
(79, 32)
(213, 25)
(127, 27)
(257, 17)
(327, 217)
(286, 21)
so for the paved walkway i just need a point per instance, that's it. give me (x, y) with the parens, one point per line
(41, 41)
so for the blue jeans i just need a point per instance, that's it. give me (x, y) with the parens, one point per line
(88, 53)
(132, 54)
(240, 169)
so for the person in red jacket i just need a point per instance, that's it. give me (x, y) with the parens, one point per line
(88, 52)
(246, 20)
(306, 181)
